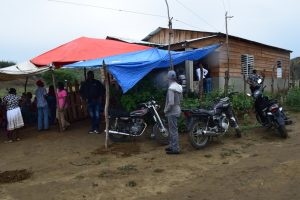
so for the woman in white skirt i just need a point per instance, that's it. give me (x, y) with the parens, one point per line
(13, 114)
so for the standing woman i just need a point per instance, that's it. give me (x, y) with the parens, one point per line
(13, 114)
(62, 105)
(42, 106)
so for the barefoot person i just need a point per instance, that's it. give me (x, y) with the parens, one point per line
(172, 111)
(13, 114)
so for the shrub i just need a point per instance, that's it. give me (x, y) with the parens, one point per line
(142, 92)
(241, 103)
(293, 99)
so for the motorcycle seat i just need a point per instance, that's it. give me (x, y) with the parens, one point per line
(203, 111)
(118, 113)
(138, 113)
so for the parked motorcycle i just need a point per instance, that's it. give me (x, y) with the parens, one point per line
(268, 112)
(204, 124)
(124, 125)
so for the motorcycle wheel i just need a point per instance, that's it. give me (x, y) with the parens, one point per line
(198, 141)
(282, 131)
(161, 137)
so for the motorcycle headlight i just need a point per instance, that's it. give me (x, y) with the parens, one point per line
(259, 81)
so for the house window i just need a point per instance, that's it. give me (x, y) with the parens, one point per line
(279, 68)
(247, 64)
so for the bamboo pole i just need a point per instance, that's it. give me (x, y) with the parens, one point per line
(106, 103)
(55, 89)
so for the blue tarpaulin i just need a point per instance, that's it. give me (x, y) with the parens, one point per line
(130, 68)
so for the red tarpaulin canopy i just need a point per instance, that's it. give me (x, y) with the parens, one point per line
(85, 49)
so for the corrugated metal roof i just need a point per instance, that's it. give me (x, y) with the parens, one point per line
(133, 41)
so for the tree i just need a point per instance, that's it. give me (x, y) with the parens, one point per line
(6, 63)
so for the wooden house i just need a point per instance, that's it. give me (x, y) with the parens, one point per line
(244, 56)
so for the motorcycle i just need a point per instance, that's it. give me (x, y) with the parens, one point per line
(268, 112)
(124, 125)
(205, 124)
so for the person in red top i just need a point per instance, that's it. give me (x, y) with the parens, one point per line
(62, 105)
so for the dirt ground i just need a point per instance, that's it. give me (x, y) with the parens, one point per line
(74, 165)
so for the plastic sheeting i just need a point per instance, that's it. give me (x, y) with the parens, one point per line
(130, 68)
(21, 70)
(85, 48)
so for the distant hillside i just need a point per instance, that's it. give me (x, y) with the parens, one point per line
(296, 64)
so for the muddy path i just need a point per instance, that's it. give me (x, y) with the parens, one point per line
(74, 165)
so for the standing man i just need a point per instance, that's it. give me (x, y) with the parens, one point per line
(207, 81)
(42, 106)
(198, 72)
(172, 111)
(93, 92)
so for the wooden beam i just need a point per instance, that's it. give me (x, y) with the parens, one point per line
(106, 103)
(57, 104)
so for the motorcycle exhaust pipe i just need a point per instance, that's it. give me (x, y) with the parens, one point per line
(210, 133)
(118, 133)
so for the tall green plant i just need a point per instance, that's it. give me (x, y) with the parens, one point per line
(293, 99)
(142, 92)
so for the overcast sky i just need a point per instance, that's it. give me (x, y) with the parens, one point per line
(31, 27)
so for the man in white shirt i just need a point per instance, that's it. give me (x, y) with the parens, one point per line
(198, 72)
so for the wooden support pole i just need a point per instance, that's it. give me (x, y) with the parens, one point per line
(170, 36)
(55, 89)
(245, 83)
(201, 84)
(25, 86)
(106, 103)
(272, 81)
(84, 71)
(227, 73)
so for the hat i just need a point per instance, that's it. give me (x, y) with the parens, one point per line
(40, 83)
(171, 75)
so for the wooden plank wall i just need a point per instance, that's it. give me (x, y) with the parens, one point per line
(178, 36)
(264, 58)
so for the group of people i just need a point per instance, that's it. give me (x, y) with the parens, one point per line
(17, 111)
(92, 91)
(48, 107)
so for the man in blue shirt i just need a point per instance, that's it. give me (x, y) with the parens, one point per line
(42, 106)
